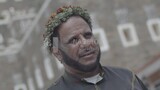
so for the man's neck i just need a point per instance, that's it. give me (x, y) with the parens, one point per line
(81, 74)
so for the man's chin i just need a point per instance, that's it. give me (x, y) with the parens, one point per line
(83, 66)
(88, 67)
(89, 64)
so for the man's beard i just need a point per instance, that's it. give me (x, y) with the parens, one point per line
(76, 65)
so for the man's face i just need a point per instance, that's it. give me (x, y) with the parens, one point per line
(77, 45)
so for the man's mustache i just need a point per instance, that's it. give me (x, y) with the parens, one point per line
(91, 48)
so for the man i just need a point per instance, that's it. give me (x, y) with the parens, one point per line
(69, 37)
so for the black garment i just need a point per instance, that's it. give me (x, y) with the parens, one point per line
(113, 79)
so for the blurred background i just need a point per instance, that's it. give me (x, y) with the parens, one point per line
(128, 32)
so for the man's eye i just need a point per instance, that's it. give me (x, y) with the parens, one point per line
(74, 40)
(88, 35)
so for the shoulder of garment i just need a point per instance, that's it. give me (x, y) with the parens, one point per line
(55, 85)
(136, 83)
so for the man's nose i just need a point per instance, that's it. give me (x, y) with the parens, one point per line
(84, 42)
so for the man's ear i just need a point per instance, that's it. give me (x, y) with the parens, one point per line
(56, 52)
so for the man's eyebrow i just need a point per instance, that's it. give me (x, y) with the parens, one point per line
(70, 38)
(88, 33)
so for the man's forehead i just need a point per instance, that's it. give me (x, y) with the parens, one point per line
(73, 24)
(74, 20)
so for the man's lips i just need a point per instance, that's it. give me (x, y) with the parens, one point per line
(88, 53)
